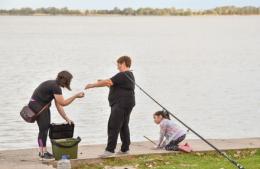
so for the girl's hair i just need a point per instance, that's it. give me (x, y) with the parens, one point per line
(163, 113)
(64, 79)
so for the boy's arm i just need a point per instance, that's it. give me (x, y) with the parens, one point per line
(119, 78)
(100, 83)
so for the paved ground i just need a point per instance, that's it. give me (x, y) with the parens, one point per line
(27, 158)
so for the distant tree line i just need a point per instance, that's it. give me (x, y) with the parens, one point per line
(40, 11)
(224, 10)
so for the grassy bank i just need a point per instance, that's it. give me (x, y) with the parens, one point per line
(210, 160)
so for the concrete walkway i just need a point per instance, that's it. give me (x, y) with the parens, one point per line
(28, 159)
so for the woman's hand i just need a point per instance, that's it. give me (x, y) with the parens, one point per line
(70, 122)
(80, 95)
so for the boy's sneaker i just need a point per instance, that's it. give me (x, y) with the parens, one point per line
(106, 154)
(122, 152)
(46, 156)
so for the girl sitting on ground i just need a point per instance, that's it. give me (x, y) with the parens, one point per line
(169, 130)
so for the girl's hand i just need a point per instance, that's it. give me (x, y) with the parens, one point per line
(156, 147)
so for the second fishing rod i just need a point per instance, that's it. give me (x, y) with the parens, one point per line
(239, 166)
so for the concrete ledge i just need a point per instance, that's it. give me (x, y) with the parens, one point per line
(28, 158)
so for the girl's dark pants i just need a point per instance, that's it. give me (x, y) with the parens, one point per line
(43, 122)
(118, 123)
(173, 145)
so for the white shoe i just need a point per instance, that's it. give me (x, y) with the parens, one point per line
(122, 152)
(107, 154)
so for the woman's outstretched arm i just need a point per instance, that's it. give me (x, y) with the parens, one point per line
(64, 102)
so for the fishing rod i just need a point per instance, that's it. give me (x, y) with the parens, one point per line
(239, 166)
(150, 140)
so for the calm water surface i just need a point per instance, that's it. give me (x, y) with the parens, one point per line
(205, 69)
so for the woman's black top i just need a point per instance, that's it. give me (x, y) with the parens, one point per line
(45, 92)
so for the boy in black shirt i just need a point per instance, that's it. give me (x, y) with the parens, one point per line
(121, 100)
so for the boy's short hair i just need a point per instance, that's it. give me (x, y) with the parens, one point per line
(126, 60)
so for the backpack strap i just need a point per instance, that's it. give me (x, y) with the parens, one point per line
(45, 107)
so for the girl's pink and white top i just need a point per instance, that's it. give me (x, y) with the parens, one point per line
(170, 131)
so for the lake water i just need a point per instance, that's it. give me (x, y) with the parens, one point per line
(204, 69)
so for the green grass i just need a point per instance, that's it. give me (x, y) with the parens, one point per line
(250, 159)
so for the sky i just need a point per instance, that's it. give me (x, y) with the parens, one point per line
(109, 4)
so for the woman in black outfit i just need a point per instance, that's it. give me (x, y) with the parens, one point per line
(42, 96)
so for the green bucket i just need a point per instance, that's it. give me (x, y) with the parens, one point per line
(67, 146)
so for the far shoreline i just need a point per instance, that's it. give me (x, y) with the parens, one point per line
(109, 15)
(142, 11)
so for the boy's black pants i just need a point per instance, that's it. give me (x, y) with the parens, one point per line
(118, 123)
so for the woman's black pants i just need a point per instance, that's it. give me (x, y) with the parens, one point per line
(43, 122)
